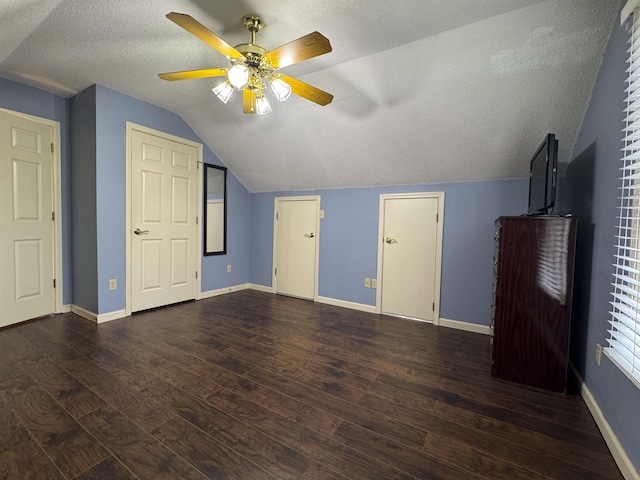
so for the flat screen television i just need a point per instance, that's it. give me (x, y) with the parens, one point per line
(542, 177)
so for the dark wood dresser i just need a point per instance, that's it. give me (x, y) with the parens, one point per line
(533, 282)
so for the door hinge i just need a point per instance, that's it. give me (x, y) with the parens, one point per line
(433, 307)
(54, 283)
(197, 220)
(52, 148)
(276, 215)
(437, 216)
(53, 216)
(275, 272)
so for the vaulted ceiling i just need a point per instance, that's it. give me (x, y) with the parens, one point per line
(425, 91)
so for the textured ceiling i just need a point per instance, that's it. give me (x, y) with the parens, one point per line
(426, 91)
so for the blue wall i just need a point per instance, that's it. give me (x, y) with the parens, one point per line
(113, 110)
(21, 98)
(590, 191)
(93, 133)
(349, 241)
(84, 253)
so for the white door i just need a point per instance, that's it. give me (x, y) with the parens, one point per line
(164, 256)
(26, 224)
(409, 256)
(295, 246)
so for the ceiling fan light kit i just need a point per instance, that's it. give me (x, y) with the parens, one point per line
(223, 91)
(253, 67)
(281, 90)
(238, 75)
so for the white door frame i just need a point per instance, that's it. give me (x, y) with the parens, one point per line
(150, 131)
(56, 189)
(274, 261)
(439, 234)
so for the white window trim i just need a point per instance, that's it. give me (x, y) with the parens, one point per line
(628, 9)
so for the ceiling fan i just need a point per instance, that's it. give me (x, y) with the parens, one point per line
(252, 66)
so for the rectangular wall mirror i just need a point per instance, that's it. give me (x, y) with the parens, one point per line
(215, 205)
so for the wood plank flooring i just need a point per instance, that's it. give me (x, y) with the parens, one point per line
(256, 386)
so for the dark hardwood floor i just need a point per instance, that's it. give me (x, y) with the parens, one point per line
(255, 386)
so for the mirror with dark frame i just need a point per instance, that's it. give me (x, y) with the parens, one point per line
(215, 210)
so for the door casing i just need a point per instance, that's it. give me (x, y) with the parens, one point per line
(316, 199)
(439, 234)
(129, 128)
(56, 188)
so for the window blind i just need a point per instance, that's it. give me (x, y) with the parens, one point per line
(624, 325)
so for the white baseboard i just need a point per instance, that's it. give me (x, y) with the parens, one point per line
(98, 318)
(466, 326)
(84, 313)
(344, 304)
(107, 317)
(222, 291)
(627, 469)
(65, 308)
(261, 288)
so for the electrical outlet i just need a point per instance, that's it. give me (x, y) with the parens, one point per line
(113, 284)
(598, 353)
(367, 282)
(374, 283)
(228, 268)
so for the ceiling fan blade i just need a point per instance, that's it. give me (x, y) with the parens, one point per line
(307, 91)
(248, 101)
(301, 49)
(188, 74)
(191, 25)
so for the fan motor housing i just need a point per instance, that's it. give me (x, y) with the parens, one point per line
(251, 52)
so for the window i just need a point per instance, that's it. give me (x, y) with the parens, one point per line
(624, 333)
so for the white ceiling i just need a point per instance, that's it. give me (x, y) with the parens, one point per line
(426, 91)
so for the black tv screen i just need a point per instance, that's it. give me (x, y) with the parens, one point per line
(542, 177)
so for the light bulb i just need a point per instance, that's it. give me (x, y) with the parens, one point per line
(281, 89)
(238, 75)
(223, 91)
(262, 106)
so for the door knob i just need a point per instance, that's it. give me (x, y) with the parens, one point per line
(390, 240)
(137, 231)
(309, 235)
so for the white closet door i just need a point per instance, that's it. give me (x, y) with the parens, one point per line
(296, 247)
(409, 257)
(164, 252)
(26, 226)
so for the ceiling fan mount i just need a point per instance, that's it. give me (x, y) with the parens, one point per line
(253, 23)
(253, 67)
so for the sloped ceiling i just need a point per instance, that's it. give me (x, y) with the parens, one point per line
(426, 91)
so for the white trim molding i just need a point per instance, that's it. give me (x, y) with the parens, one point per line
(98, 318)
(466, 326)
(627, 469)
(628, 9)
(222, 291)
(261, 288)
(345, 304)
